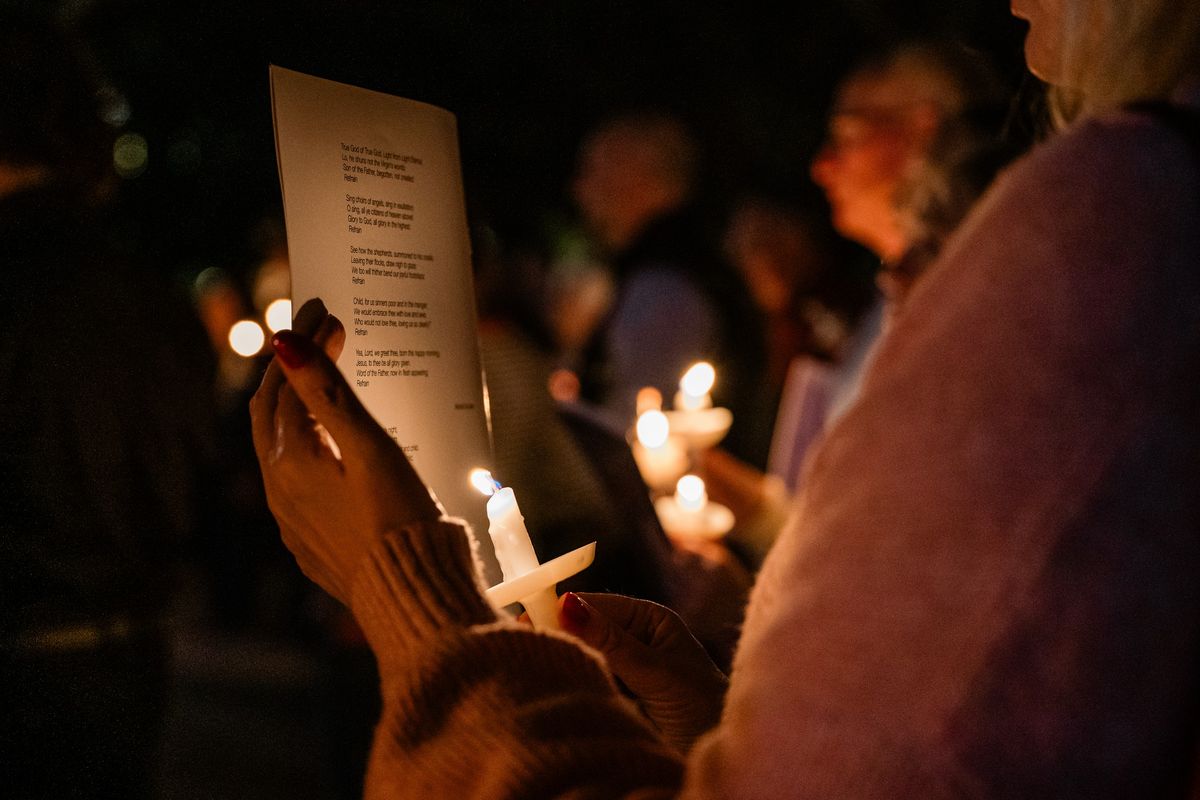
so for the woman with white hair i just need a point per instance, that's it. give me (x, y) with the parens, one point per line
(988, 587)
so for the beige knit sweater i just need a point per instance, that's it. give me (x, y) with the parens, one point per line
(991, 585)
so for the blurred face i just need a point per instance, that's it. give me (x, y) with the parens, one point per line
(614, 187)
(774, 254)
(1043, 44)
(597, 181)
(867, 153)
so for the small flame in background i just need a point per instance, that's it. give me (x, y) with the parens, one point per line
(690, 493)
(698, 380)
(278, 315)
(247, 338)
(483, 481)
(653, 429)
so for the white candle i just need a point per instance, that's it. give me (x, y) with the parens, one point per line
(690, 515)
(694, 387)
(660, 458)
(691, 495)
(514, 550)
(653, 429)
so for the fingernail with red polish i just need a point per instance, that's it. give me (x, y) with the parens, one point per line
(575, 615)
(293, 349)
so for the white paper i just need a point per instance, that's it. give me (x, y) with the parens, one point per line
(376, 227)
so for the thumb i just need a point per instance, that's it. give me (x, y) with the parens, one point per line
(322, 388)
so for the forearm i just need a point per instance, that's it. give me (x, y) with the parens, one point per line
(477, 706)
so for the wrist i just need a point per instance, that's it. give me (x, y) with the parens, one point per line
(417, 583)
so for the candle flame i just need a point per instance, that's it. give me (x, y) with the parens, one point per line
(278, 315)
(698, 380)
(483, 481)
(653, 429)
(690, 493)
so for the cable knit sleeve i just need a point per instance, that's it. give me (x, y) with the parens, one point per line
(476, 706)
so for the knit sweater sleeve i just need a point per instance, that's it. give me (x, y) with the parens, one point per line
(478, 706)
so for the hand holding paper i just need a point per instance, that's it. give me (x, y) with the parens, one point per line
(330, 509)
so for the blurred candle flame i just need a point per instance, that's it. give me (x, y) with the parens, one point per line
(246, 337)
(653, 429)
(698, 380)
(690, 493)
(278, 315)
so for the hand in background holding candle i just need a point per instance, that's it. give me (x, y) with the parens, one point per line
(733, 482)
(332, 503)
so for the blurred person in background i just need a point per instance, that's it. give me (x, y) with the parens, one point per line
(578, 297)
(894, 112)
(887, 114)
(106, 469)
(677, 300)
(807, 297)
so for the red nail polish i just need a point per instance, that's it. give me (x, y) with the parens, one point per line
(293, 349)
(575, 615)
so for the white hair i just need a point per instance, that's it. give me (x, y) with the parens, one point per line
(1122, 51)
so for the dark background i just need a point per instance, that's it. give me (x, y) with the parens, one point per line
(525, 79)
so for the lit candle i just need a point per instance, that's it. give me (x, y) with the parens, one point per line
(514, 550)
(653, 429)
(690, 494)
(690, 515)
(693, 419)
(694, 387)
(660, 457)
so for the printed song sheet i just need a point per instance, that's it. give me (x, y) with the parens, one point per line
(376, 227)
